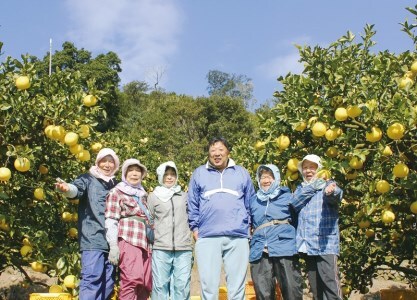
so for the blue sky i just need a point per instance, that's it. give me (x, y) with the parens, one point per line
(183, 40)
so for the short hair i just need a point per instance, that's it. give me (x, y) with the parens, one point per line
(221, 140)
(265, 169)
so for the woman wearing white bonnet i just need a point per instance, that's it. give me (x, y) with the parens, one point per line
(172, 249)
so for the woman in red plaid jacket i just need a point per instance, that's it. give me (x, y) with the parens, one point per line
(126, 232)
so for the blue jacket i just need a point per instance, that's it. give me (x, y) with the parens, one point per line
(279, 239)
(318, 219)
(92, 194)
(218, 202)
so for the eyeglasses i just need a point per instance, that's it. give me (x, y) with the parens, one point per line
(263, 177)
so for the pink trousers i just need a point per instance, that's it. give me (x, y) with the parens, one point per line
(135, 272)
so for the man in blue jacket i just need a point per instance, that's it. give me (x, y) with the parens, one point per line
(218, 213)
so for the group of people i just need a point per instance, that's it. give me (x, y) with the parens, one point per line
(223, 211)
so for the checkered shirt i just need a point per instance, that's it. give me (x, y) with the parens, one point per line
(120, 206)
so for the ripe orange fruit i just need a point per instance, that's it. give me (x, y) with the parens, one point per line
(260, 145)
(22, 164)
(387, 151)
(292, 164)
(73, 232)
(5, 174)
(71, 138)
(382, 186)
(387, 217)
(341, 114)
(300, 126)
(413, 207)
(400, 170)
(354, 111)
(25, 250)
(89, 100)
(96, 147)
(319, 129)
(374, 135)
(283, 142)
(22, 82)
(332, 152)
(395, 131)
(84, 155)
(69, 282)
(39, 194)
(356, 163)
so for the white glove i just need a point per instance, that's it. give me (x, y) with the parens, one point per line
(318, 184)
(114, 254)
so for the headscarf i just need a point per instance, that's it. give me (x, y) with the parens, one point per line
(274, 188)
(313, 158)
(162, 192)
(96, 171)
(125, 186)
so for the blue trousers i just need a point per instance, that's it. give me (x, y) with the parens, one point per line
(97, 276)
(233, 252)
(171, 274)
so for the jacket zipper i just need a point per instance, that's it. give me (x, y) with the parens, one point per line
(173, 225)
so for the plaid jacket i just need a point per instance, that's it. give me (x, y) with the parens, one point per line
(120, 206)
(318, 219)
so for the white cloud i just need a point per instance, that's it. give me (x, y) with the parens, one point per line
(143, 33)
(281, 65)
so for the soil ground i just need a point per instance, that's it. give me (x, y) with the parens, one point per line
(11, 287)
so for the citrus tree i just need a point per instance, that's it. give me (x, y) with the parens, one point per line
(357, 110)
(47, 131)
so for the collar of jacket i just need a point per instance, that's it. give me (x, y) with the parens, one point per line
(230, 163)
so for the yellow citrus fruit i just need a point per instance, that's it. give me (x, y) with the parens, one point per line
(22, 82)
(374, 135)
(387, 151)
(325, 174)
(300, 126)
(96, 147)
(55, 288)
(413, 67)
(75, 149)
(353, 111)
(387, 217)
(74, 217)
(332, 152)
(413, 207)
(254, 168)
(26, 242)
(319, 129)
(37, 266)
(39, 194)
(73, 232)
(84, 131)
(84, 155)
(89, 100)
(48, 131)
(22, 164)
(369, 233)
(25, 250)
(331, 134)
(69, 281)
(71, 138)
(66, 216)
(382, 186)
(292, 164)
(283, 142)
(341, 114)
(58, 133)
(43, 169)
(400, 170)
(396, 131)
(364, 224)
(405, 83)
(356, 163)
(5, 174)
(259, 145)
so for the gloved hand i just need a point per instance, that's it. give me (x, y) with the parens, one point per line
(318, 184)
(114, 254)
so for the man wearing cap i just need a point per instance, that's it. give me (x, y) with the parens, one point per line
(317, 202)
(219, 196)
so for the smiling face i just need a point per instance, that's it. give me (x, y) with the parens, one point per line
(218, 155)
(106, 165)
(309, 170)
(134, 175)
(266, 178)
(170, 177)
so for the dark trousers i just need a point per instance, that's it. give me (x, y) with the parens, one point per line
(323, 275)
(267, 271)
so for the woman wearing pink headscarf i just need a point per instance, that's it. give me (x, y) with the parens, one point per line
(126, 215)
(97, 273)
